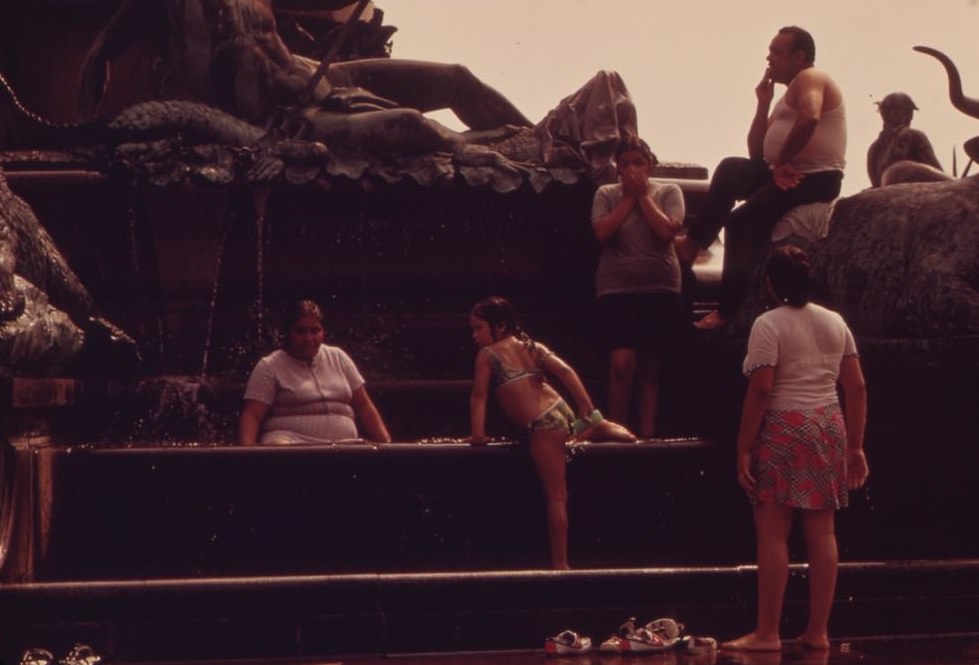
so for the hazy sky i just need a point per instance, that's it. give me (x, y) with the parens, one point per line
(691, 65)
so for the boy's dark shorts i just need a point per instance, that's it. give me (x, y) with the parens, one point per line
(650, 323)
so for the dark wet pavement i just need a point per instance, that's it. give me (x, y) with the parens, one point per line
(930, 650)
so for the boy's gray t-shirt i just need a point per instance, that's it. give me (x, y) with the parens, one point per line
(635, 260)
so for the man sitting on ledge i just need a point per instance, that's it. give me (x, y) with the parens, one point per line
(796, 156)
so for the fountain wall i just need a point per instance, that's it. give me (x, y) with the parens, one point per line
(122, 479)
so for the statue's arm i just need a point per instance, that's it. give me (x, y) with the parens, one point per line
(120, 33)
(924, 152)
(872, 156)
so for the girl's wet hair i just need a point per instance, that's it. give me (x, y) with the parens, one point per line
(296, 310)
(790, 274)
(630, 143)
(497, 310)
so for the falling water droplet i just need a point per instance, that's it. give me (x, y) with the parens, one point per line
(209, 329)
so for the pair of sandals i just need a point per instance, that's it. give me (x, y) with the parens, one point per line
(657, 636)
(80, 654)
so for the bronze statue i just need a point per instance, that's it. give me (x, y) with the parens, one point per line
(312, 28)
(47, 316)
(230, 55)
(968, 105)
(899, 142)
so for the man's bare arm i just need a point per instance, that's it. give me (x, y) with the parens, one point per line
(807, 95)
(765, 92)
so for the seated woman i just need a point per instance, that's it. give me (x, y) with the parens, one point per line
(307, 391)
(516, 368)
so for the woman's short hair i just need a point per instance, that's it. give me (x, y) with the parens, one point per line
(790, 274)
(296, 310)
(630, 143)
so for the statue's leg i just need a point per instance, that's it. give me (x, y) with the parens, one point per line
(907, 170)
(394, 130)
(431, 86)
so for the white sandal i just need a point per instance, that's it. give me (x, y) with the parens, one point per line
(567, 642)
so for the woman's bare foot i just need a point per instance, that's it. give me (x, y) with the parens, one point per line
(816, 643)
(712, 321)
(751, 642)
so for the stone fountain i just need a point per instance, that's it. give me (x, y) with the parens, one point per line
(155, 243)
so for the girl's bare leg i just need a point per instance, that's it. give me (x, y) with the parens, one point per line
(818, 528)
(772, 525)
(607, 430)
(547, 452)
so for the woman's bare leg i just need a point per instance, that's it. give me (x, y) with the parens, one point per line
(548, 453)
(818, 528)
(772, 525)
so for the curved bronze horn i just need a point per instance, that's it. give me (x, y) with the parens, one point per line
(968, 105)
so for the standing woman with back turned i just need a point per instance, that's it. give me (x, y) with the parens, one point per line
(798, 451)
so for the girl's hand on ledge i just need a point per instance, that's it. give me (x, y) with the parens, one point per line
(442, 440)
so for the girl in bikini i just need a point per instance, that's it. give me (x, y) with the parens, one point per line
(516, 367)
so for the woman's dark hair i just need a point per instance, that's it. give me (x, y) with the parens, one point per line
(496, 310)
(630, 143)
(790, 274)
(296, 310)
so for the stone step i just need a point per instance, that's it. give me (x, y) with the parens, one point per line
(317, 616)
(85, 512)
(82, 512)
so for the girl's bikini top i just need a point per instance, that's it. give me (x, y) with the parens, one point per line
(502, 374)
